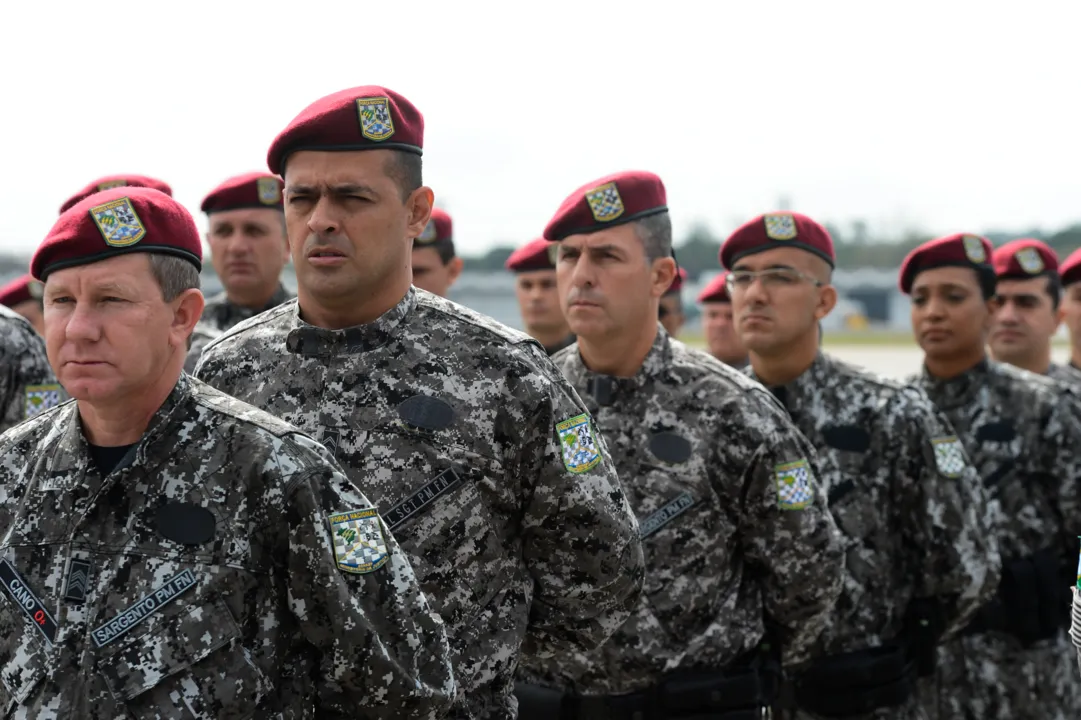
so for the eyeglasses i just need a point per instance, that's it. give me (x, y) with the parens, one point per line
(770, 278)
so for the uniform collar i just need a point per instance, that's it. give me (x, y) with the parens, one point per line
(959, 390)
(228, 313)
(606, 388)
(311, 341)
(793, 395)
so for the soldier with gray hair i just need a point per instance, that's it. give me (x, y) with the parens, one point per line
(169, 551)
(743, 561)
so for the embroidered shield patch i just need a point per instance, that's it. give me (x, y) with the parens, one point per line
(579, 445)
(794, 490)
(949, 456)
(605, 202)
(780, 226)
(40, 398)
(429, 235)
(269, 190)
(1029, 260)
(111, 184)
(974, 249)
(118, 223)
(36, 289)
(359, 545)
(375, 120)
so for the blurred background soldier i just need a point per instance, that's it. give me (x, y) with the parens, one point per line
(435, 265)
(534, 271)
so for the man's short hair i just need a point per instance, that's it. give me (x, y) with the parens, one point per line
(174, 275)
(655, 232)
(406, 170)
(987, 279)
(1054, 290)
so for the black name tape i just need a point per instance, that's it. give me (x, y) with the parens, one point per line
(443, 483)
(149, 604)
(33, 608)
(665, 515)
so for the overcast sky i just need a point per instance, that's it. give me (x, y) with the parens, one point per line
(942, 115)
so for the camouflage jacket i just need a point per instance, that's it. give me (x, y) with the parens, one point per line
(1066, 374)
(909, 504)
(1022, 436)
(220, 313)
(201, 336)
(199, 578)
(27, 383)
(735, 530)
(462, 431)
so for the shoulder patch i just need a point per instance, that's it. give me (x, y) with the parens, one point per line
(949, 455)
(578, 444)
(40, 398)
(794, 490)
(359, 544)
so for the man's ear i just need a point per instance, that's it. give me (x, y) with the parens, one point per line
(664, 272)
(187, 309)
(419, 206)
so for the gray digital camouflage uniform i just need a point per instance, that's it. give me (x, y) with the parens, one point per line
(200, 578)
(463, 432)
(201, 335)
(221, 314)
(1024, 443)
(910, 506)
(1067, 374)
(735, 531)
(27, 383)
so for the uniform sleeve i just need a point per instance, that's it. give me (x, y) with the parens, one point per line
(948, 520)
(383, 651)
(581, 541)
(24, 366)
(790, 540)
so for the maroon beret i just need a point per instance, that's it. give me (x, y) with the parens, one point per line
(115, 222)
(362, 118)
(612, 200)
(536, 254)
(20, 290)
(957, 250)
(716, 290)
(112, 181)
(250, 190)
(1070, 270)
(1024, 258)
(774, 230)
(439, 229)
(677, 282)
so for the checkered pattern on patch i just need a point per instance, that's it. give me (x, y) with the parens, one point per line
(366, 548)
(605, 202)
(974, 249)
(949, 456)
(794, 491)
(375, 119)
(780, 227)
(40, 399)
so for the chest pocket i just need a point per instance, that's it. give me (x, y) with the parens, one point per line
(191, 667)
(22, 655)
(684, 538)
(461, 554)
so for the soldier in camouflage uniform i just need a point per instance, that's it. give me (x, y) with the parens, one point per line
(247, 246)
(201, 336)
(169, 551)
(23, 295)
(1070, 272)
(448, 420)
(27, 383)
(719, 325)
(1013, 661)
(920, 555)
(1028, 296)
(534, 270)
(738, 541)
